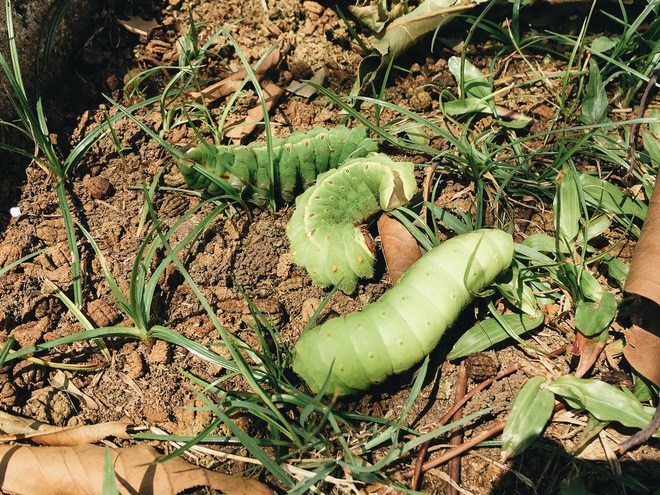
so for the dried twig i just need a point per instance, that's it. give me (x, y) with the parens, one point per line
(642, 436)
(456, 438)
(420, 467)
(640, 113)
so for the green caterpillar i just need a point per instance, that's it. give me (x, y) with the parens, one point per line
(406, 323)
(297, 160)
(323, 231)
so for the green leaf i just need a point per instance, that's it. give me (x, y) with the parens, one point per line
(489, 332)
(543, 243)
(567, 208)
(465, 106)
(604, 401)
(594, 106)
(591, 318)
(609, 198)
(529, 414)
(518, 293)
(516, 123)
(603, 44)
(474, 83)
(644, 390)
(590, 287)
(109, 482)
(654, 127)
(595, 227)
(574, 487)
(652, 146)
(616, 269)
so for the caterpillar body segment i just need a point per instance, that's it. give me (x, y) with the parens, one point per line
(297, 161)
(324, 229)
(394, 333)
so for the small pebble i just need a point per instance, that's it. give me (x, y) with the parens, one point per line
(99, 187)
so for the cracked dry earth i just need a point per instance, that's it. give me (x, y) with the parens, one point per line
(142, 383)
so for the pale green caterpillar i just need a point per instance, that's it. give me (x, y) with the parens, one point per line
(407, 322)
(324, 229)
(297, 160)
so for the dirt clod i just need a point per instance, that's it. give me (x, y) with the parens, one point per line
(102, 314)
(99, 187)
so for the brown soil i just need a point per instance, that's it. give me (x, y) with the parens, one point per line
(142, 383)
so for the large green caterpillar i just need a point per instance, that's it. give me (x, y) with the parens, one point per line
(407, 322)
(297, 160)
(323, 230)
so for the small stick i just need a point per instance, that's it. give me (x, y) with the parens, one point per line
(642, 436)
(447, 456)
(640, 113)
(419, 462)
(456, 438)
(476, 390)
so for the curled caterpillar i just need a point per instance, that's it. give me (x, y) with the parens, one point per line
(406, 323)
(323, 230)
(297, 160)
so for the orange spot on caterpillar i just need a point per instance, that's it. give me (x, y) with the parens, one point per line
(334, 268)
(360, 259)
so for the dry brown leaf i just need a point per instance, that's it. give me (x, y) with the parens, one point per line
(301, 88)
(399, 246)
(272, 93)
(230, 84)
(643, 341)
(18, 425)
(137, 25)
(588, 348)
(61, 382)
(17, 428)
(79, 470)
(644, 275)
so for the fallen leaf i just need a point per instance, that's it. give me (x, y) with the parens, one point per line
(403, 34)
(79, 470)
(137, 25)
(301, 88)
(643, 340)
(18, 428)
(255, 115)
(61, 382)
(18, 425)
(644, 275)
(588, 348)
(230, 84)
(399, 246)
